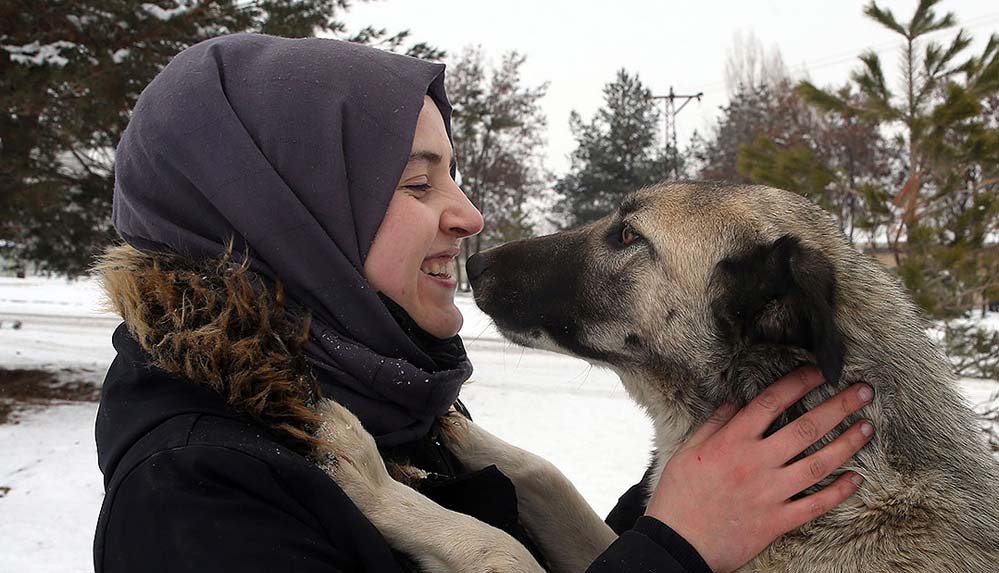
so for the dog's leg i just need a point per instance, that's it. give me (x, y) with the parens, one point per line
(438, 539)
(567, 530)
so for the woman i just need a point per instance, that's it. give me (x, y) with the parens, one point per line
(291, 221)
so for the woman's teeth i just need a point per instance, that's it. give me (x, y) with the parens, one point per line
(439, 268)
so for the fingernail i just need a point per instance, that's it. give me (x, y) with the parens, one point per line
(867, 429)
(866, 393)
(856, 479)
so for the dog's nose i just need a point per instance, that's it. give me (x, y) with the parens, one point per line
(475, 266)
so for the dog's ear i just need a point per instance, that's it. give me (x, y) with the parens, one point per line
(781, 293)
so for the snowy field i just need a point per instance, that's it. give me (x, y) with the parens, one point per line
(577, 416)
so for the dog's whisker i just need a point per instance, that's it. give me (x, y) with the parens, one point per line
(483, 331)
(521, 357)
(586, 376)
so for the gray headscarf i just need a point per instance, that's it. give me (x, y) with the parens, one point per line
(293, 147)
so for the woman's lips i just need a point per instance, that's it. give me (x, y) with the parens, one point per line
(440, 270)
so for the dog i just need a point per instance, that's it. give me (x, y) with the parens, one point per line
(697, 294)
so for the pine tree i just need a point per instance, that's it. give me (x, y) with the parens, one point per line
(752, 111)
(937, 204)
(616, 151)
(943, 205)
(768, 134)
(70, 72)
(759, 104)
(838, 161)
(498, 128)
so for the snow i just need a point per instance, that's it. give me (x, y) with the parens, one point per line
(989, 322)
(62, 324)
(577, 416)
(37, 54)
(166, 14)
(50, 465)
(120, 55)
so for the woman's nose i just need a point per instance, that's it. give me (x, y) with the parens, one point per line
(461, 218)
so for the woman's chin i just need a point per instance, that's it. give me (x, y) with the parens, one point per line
(442, 323)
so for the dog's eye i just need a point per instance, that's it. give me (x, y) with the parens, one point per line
(628, 234)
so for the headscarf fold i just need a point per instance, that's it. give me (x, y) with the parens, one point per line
(292, 148)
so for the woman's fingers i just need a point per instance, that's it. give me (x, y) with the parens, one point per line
(809, 471)
(757, 416)
(809, 428)
(715, 422)
(799, 512)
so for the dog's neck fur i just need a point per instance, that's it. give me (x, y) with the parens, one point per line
(926, 443)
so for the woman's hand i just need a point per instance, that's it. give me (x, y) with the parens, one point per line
(727, 490)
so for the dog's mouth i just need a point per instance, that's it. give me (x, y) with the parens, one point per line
(563, 340)
(531, 339)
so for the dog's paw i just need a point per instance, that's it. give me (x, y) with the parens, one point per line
(347, 452)
(453, 429)
(476, 448)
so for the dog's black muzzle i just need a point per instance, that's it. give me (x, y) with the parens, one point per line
(531, 285)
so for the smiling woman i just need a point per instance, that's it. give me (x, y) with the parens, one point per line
(291, 223)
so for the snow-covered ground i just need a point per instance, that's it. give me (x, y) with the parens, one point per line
(577, 416)
(62, 325)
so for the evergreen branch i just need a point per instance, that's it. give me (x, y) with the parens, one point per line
(960, 42)
(822, 99)
(932, 59)
(884, 17)
(991, 48)
(925, 21)
(985, 79)
(872, 84)
(936, 61)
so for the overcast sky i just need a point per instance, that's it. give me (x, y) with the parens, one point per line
(578, 45)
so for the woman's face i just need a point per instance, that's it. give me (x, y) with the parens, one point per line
(412, 259)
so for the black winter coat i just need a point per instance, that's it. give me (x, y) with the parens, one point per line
(194, 486)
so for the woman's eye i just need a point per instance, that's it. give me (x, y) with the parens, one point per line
(628, 235)
(419, 188)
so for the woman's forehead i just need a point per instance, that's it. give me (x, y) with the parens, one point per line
(431, 137)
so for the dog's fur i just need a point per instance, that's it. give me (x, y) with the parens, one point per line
(729, 288)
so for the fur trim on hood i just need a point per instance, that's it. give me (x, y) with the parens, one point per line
(214, 323)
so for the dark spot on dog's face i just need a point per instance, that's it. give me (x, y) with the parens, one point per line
(567, 286)
(632, 340)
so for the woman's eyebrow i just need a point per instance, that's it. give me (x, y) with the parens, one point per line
(431, 157)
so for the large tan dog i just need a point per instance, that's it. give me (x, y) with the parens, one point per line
(699, 293)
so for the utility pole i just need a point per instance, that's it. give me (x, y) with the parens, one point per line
(669, 125)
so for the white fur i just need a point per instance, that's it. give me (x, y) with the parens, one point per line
(567, 530)
(440, 540)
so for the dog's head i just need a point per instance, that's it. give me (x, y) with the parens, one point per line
(683, 282)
